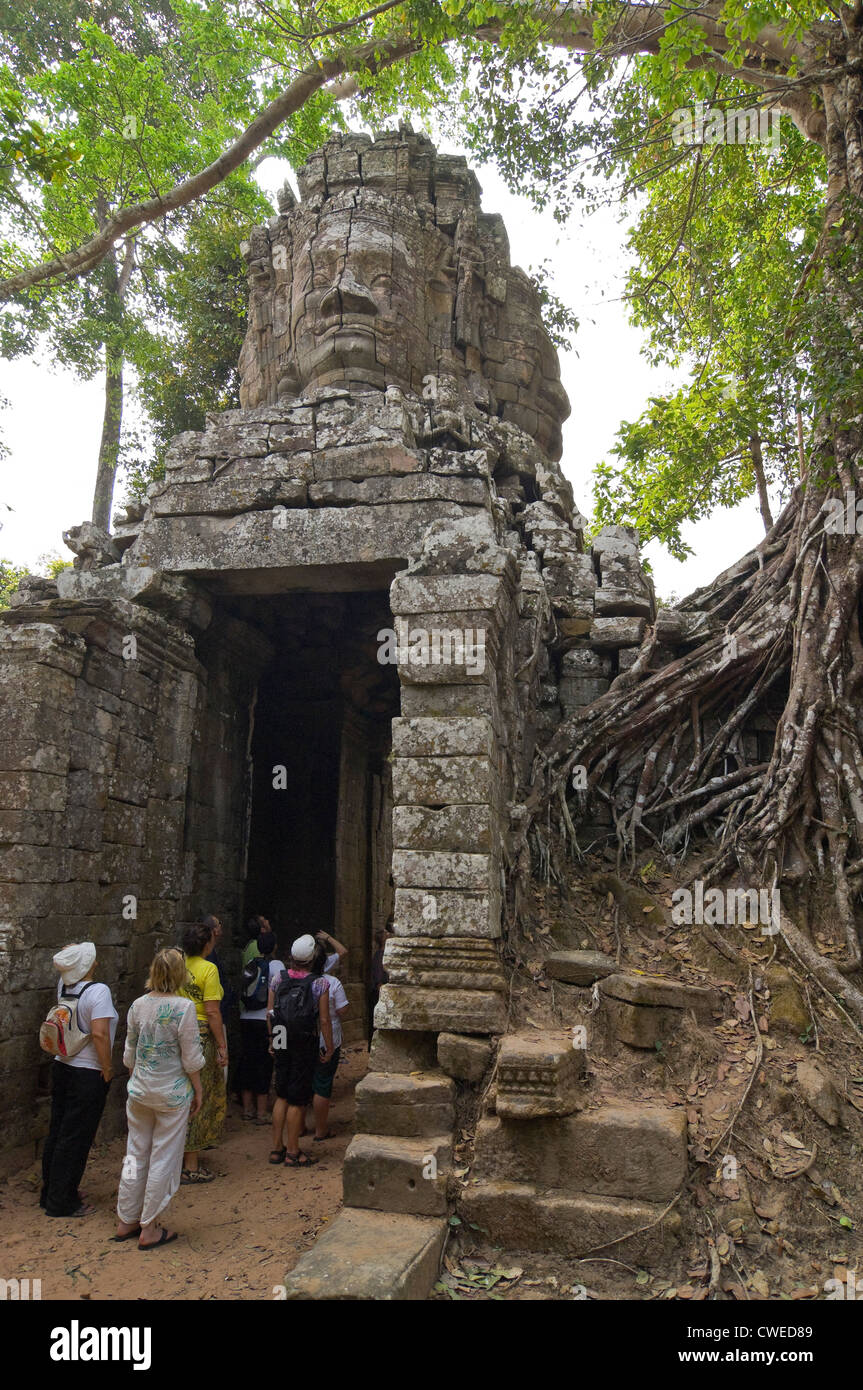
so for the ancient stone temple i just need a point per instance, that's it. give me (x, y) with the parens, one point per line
(309, 678)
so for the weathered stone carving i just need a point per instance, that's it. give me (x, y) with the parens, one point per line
(538, 1075)
(387, 273)
(91, 546)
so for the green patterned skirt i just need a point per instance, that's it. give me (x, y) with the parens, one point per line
(205, 1128)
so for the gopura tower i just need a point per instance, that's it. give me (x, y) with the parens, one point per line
(200, 713)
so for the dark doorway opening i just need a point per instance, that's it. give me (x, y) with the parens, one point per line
(319, 845)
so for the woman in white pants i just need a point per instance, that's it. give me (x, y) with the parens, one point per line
(163, 1053)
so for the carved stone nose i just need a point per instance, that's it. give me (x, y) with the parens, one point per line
(348, 296)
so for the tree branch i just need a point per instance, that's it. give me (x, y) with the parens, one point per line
(638, 29)
(372, 57)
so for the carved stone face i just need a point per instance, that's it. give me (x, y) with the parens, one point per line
(358, 301)
(388, 272)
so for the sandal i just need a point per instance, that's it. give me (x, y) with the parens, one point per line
(299, 1160)
(277, 1155)
(136, 1231)
(263, 1120)
(192, 1176)
(319, 1138)
(164, 1239)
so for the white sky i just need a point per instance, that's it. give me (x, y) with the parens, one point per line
(54, 422)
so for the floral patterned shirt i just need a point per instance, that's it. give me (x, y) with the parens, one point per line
(162, 1048)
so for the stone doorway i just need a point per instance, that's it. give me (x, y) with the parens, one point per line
(317, 842)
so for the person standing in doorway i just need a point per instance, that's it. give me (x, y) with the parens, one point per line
(203, 988)
(256, 1064)
(79, 1084)
(298, 1016)
(164, 1055)
(325, 1072)
(254, 927)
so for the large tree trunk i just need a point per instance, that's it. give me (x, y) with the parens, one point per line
(116, 284)
(760, 481)
(109, 445)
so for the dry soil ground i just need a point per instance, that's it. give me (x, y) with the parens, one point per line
(238, 1235)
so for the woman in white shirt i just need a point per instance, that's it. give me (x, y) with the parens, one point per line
(163, 1053)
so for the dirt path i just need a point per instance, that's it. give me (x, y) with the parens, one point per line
(238, 1235)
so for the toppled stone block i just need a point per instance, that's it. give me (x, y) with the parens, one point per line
(645, 1010)
(579, 967)
(655, 991)
(383, 1172)
(538, 1075)
(412, 1105)
(625, 1150)
(464, 1058)
(370, 1255)
(91, 546)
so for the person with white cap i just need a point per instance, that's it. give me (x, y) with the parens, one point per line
(80, 1083)
(298, 1014)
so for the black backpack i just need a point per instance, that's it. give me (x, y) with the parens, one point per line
(255, 986)
(295, 1009)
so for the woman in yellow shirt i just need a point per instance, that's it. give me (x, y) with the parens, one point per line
(203, 988)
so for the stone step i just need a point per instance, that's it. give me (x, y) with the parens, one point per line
(384, 1172)
(370, 1255)
(645, 1010)
(622, 1150)
(657, 991)
(579, 967)
(521, 1216)
(413, 1105)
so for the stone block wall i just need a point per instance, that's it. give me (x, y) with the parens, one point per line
(93, 783)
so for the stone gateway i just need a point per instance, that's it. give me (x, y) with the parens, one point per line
(197, 713)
